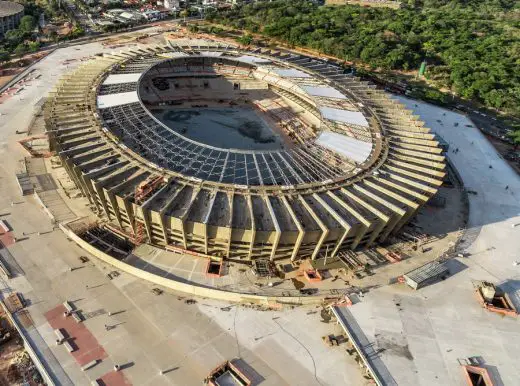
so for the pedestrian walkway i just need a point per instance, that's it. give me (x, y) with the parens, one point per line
(46, 190)
(370, 357)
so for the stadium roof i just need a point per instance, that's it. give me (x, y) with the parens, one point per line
(350, 117)
(329, 153)
(327, 92)
(111, 100)
(349, 147)
(291, 73)
(121, 78)
(8, 8)
(252, 59)
(173, 54)
(210, 53)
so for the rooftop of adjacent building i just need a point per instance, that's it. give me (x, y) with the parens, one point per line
(8, 8)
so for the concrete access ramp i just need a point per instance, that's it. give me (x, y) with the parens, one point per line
(370, 358)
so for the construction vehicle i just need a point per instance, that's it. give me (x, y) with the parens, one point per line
(494, 299)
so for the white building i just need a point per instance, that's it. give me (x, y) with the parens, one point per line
(171, 4)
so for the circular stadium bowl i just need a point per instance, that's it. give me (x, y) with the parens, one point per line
(213, 150)
(10, 15)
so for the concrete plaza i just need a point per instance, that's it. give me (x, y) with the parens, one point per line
(421, 335)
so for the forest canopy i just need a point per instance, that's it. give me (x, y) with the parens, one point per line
(471, 47)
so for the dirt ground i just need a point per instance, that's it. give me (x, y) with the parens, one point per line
(16, 368)
(8, 352)
(504, 148)
(6, 78)
(6, 74)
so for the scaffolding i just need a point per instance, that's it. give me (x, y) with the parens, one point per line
(142, 192)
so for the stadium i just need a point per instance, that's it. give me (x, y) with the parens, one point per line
(215, 150)
(10, 15)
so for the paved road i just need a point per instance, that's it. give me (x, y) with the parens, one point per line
(423, 333)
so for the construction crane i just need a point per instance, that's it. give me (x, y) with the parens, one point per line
(142, 192)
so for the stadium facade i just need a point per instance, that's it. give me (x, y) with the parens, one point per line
(353, 168)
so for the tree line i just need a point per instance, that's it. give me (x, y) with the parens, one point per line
(472, 47)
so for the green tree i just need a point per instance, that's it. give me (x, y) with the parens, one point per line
(27, 23)
(4, 55)
(245, 40)
(76, 32)
(516, 137)
(472, 47)
(14, 37)
(33, 46)
(20, 49)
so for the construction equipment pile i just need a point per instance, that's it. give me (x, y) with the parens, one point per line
(16, 367)
(21, 370)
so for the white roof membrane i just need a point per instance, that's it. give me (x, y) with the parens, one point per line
(210, 53)
(290, 73)
(122, 98)
(122, 78)
(349, 147)
(192, 42)
(252, 59)
(345, 116)
(324, 91)
(174, 54)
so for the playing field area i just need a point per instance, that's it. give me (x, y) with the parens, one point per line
(224, 127)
